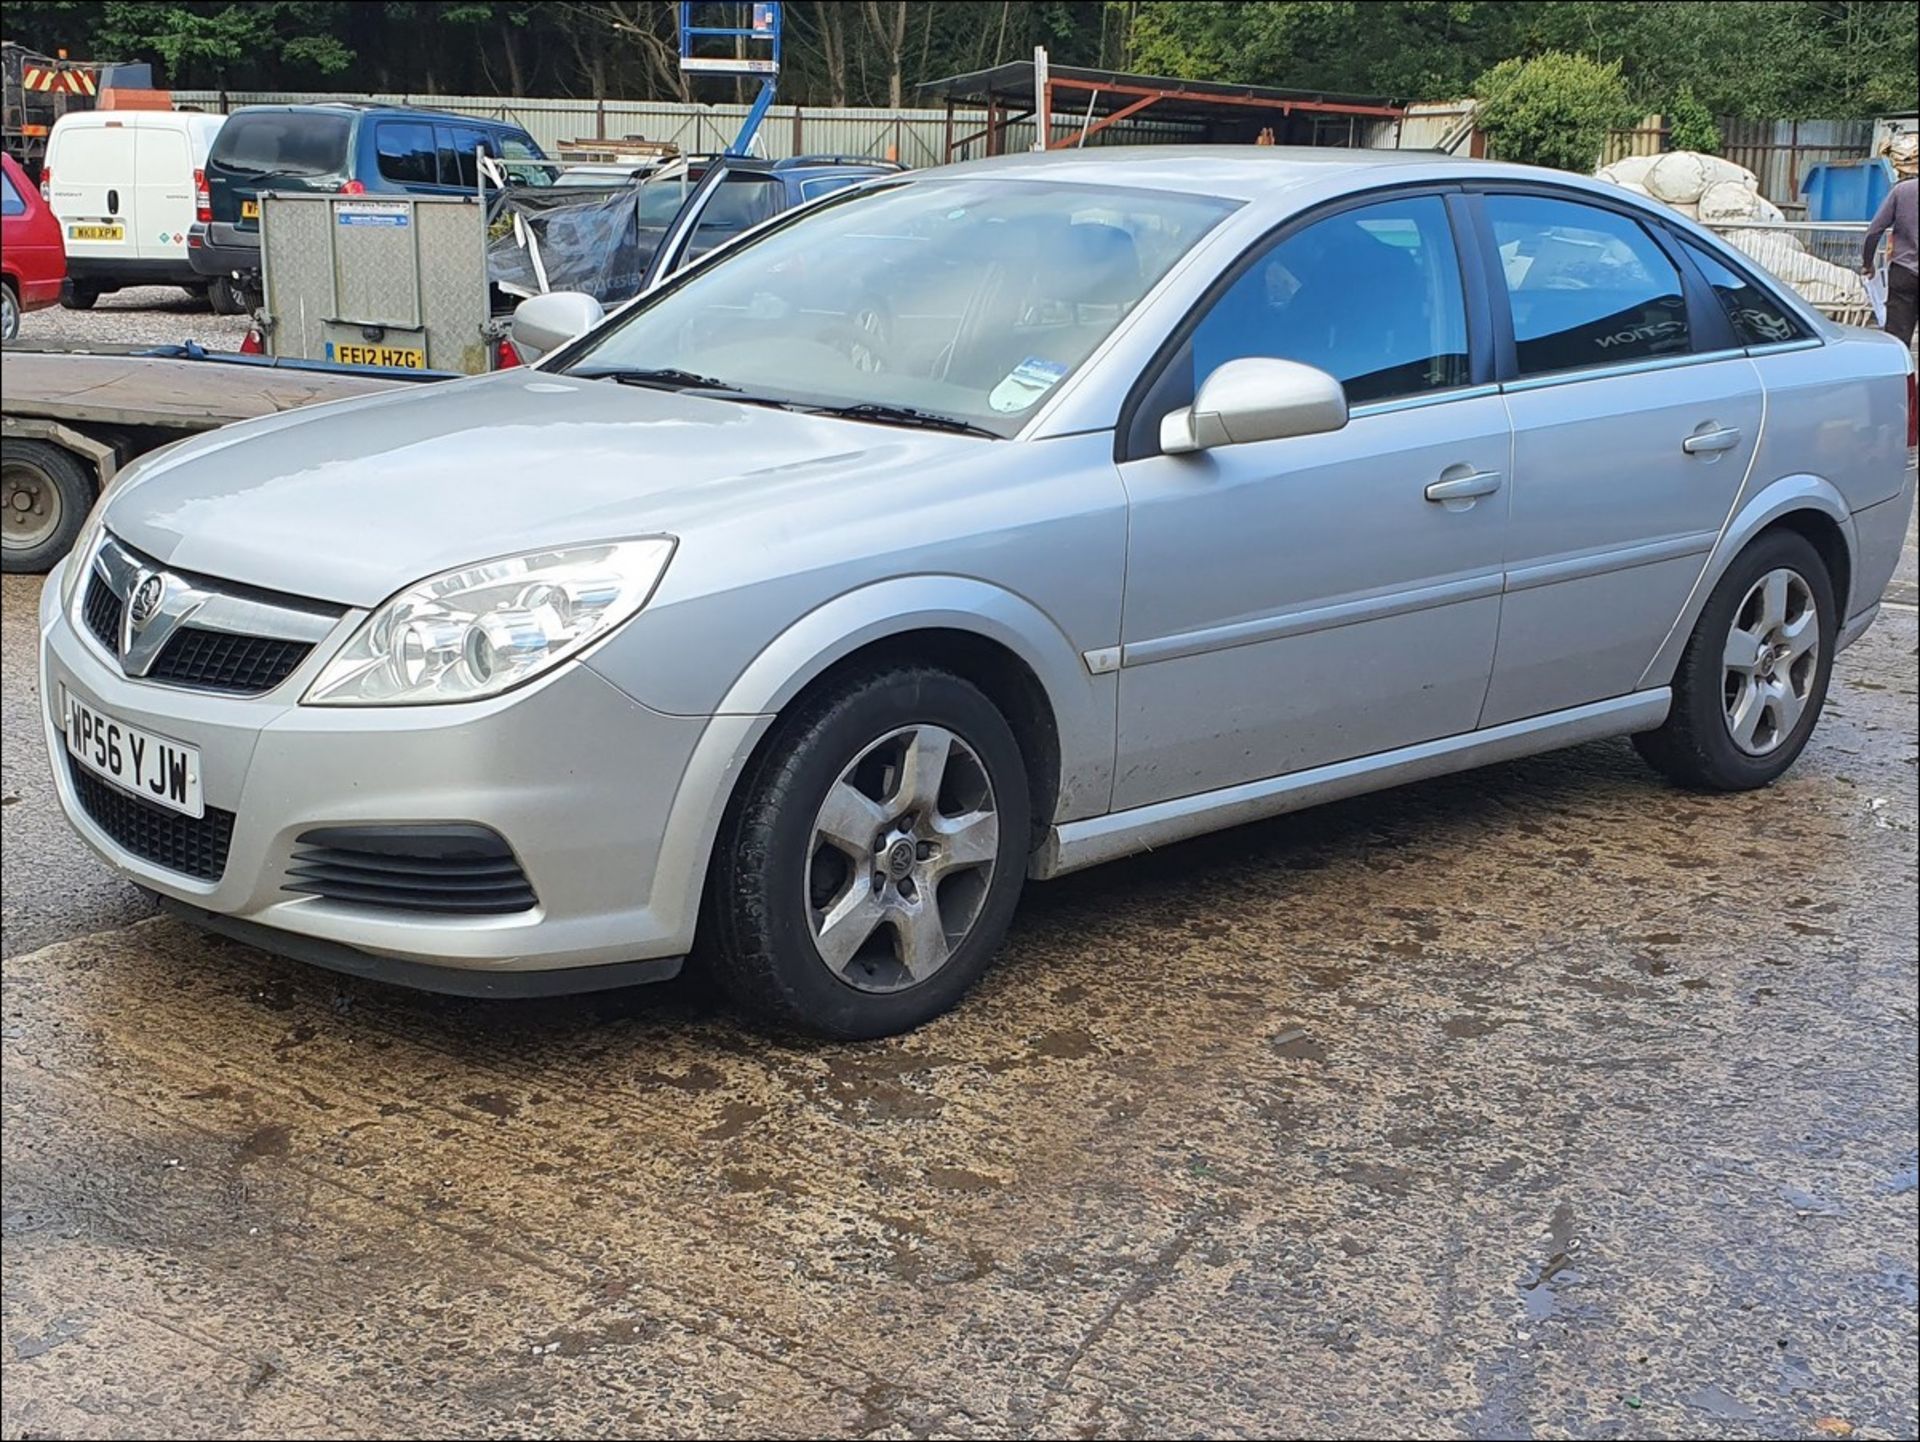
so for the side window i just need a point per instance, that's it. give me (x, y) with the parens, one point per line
(1372, 296)
(10, 201)
(457, 147)
(1587, 286)
(733, 206)
(515, 147)
(826, 185)
(1757, 315)
(406, 151)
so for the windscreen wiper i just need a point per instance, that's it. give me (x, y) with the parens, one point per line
(905, 416)
(663, 378)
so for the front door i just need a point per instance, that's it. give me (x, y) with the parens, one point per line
(1630, 449)
(1298, 602)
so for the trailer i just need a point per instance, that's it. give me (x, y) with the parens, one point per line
(71, 419)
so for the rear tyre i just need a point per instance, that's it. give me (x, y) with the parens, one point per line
(223, 296)
(200, 294)
(9, 312)
(865, 876)
(45, 494)
(1750, 685)
(79, 294)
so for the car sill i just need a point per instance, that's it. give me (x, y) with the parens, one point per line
(1079, 844)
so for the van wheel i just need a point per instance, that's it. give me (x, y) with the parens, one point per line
(1751, 683)
(223, 296)
(201, 294)
(79, 294)
(865, 877)
(45, 494)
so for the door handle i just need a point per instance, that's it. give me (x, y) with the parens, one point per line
(113, 202)
(1465, 487)
(1718, 438)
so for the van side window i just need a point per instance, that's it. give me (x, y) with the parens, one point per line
(406, 151)
(1587, 286)
(1758, 318)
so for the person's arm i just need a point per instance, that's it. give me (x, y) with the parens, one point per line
(1881, 223)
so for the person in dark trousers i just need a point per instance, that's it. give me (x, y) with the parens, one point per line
(1897, 214)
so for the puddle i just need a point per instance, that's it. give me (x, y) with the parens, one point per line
(1540, 1290)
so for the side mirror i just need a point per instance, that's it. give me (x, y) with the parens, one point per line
(546, 322)
(1256, 398)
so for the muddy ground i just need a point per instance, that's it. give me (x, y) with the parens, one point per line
(1541, 1101)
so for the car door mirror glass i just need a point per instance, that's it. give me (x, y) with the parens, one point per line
(1256, 398)
(544, 323)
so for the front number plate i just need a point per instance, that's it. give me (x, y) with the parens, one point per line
(151, 767)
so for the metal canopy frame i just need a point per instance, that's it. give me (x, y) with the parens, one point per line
(1021, 90)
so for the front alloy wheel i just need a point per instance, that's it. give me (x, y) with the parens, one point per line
(903, 853)
(868, 866)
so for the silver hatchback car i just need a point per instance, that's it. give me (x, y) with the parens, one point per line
(970, 526)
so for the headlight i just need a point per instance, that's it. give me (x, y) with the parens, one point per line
(486, 628)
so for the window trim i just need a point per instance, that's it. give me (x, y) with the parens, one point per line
(1706, 317)
(1136, 433)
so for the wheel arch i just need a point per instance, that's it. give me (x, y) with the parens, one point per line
(1807, 504)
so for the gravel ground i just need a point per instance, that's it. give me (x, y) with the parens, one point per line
(144, 315)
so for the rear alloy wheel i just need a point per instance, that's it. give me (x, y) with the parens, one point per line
(45, 494)
(865, 877)
(224, 296)
(1751, 683)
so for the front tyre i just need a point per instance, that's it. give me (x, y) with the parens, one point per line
(1754, 676)
(866, 875)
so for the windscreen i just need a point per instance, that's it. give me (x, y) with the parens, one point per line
(971, 299)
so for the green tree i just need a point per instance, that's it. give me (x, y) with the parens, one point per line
(1554, 109)
(1690, 124)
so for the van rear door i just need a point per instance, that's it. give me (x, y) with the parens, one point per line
(163, 206)
(93, 187)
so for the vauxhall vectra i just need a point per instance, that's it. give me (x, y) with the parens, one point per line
(964, 527)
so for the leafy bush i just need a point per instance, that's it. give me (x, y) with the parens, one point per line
(1554, 109)
(1690, 124)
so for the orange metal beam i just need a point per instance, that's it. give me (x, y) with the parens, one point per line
(1066, 142)
(1285, 107)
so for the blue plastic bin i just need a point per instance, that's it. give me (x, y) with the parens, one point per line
(1846, 189)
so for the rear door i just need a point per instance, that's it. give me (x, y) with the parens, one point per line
(1635, 418)
(93, 188)
(163, 192)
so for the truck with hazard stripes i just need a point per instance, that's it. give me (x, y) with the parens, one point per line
(36, 90)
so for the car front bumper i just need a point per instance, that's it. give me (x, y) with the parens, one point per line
(610, 808)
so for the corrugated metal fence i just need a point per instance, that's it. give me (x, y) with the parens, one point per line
(1779, 152)
(913, 137)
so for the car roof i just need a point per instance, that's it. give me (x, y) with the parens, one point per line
(1239, 172)
(369, 107)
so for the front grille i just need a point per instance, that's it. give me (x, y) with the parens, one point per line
(196, 848)
(458, 869)
(103, 610)
(221, 661)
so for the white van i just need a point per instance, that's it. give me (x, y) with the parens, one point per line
(124, 184)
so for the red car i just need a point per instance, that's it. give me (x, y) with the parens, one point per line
(33, 261)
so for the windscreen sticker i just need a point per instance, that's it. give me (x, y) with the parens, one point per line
(1025, 384)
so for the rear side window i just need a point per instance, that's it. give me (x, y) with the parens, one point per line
(1586, 286)
(283, 142)
(734, 206)
(826, 185)
(10, 201)
(1757, 315)
(1371, 296)
(407, 152)
(458, 145)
